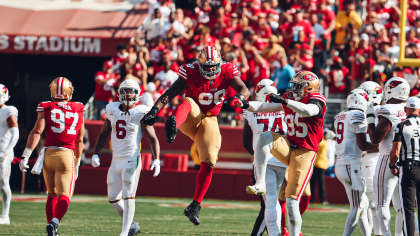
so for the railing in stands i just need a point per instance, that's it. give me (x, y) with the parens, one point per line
(334, 106)
(90, 108)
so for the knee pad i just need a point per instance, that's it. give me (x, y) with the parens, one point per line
(265, 138)
(113, 195)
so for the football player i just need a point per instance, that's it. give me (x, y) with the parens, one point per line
(370, 159)
(255, 124)
(396, 92)
(205, 84)
(123, 122)
(351, 128)
(9, 133)
(63, 123)
(304, 111)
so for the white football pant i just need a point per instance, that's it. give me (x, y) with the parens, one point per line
(386, 188)
(274, 178)
(358, 203)
(5, 168)
(369, 162)
(123, 178)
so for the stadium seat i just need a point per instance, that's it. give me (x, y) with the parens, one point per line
(178, 162)
(146, 161)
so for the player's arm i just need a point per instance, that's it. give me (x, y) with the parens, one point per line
(33, 140)
(255, 106)
(313, 108)
(103, 137)
(378, 133)
(396, 147)
(149, 131)
(238, 85)
(176, 89)
(362, 142)
(79, 144)
(14, 130)
(247, 138)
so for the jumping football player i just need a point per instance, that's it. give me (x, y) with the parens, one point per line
(123, 120)
(396, 92)
(9, 133)
(64, 127)
(351, 128)
(255, 124)
(304, 111)
(370, 159)
(205, 84)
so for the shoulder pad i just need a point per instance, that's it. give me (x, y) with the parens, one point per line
(385, 110)
(12, 111)
(319, 97)
(357, 116)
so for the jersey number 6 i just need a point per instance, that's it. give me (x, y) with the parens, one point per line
(120, 127)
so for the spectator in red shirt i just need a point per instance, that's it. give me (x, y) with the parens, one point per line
(165, 58)
(338, 79)
(218, 21)
(263, 30)
(120, 57)
(299, 24)
(360, 56)
(105, 81)
(387, 12)
(203, 38)
(141, 74)
(259, 67)
(228, 32)
(266, 9)
(304, 59)
(156, 52)
(328, 18)
(411, 38)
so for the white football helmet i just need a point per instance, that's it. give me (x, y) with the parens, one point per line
(397, 88)
(373, 90)
(126, 90)
(4, 94)
(265, 87)
(358, 99)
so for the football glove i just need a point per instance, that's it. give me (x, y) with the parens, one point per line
(370, 114)
(235, 101)
(155, 165)
(95, 161)
(275, 98)
(23, 165)
(149, 118)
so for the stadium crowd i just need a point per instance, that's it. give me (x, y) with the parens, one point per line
(340, 41)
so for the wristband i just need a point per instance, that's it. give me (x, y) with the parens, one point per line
(391, 167)
(245, 104)
(27, 153)
(370, 119)
(77, 161)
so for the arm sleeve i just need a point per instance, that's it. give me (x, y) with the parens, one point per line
(13, 139)
(307, 110)
(398, 137)
(255, 106)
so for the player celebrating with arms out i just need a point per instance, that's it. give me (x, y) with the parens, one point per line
(304, 111)
(64, 128)
(9, 133)
(123, 120)
(205, 84)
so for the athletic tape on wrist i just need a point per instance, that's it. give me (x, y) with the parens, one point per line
(27, 153)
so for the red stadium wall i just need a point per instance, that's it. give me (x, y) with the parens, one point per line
(225, 184)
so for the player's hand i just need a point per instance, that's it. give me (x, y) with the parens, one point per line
(370, 113)
(236, 101)
(149, 118)
(394, 171)
(275, 98)
(23, 165)
(155, 165)
(95, 161)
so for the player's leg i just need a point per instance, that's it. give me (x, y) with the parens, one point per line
(130, 178)
(369, 162)
(5, 167)
(384, 184)
(186, 109)
(269, 144)
(259, 225)
(282, 200)
(399, 219)
(208, 141)
(274, 178)
(114, 182)
(305, 199)
(48, 171)
(301, 163)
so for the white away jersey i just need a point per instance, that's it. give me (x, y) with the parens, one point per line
(375, 109)
(347, 149)
(261, 122)
(5, 133)
(126, 129)
(394, 113)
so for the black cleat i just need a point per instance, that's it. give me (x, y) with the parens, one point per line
(192, 212)
(170, 129)
(52, 229)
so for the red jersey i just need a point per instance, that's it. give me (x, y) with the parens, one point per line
(103, 92)
(208, 94)
(386, 16)
(295, 27)
(305, 132)
(63, 122)
(338, 80)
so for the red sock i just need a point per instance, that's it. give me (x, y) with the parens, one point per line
(203, 181)
(61, 207)
(50, 207)
(304, 203)
(181, 112)
(283, 214)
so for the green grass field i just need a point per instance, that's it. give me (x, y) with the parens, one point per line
(93, 215)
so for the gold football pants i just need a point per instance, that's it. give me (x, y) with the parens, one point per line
(58, 172)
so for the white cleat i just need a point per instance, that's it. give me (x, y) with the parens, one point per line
(4, 220)
(257, 190)
(134, 229)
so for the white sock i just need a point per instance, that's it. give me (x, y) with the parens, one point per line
(119, 207)
(384, 217)
(375, 221)
(7, 197)
(129, 209)
(294, 217)
(364, 224)
(399, 221)
(264, 146)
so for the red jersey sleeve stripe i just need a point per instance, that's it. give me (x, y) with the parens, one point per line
(318, 98)
(39, 109)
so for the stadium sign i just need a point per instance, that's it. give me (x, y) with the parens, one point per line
(53, 45)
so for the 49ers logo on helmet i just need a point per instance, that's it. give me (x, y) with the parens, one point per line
(309, 77)
(394, 84)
